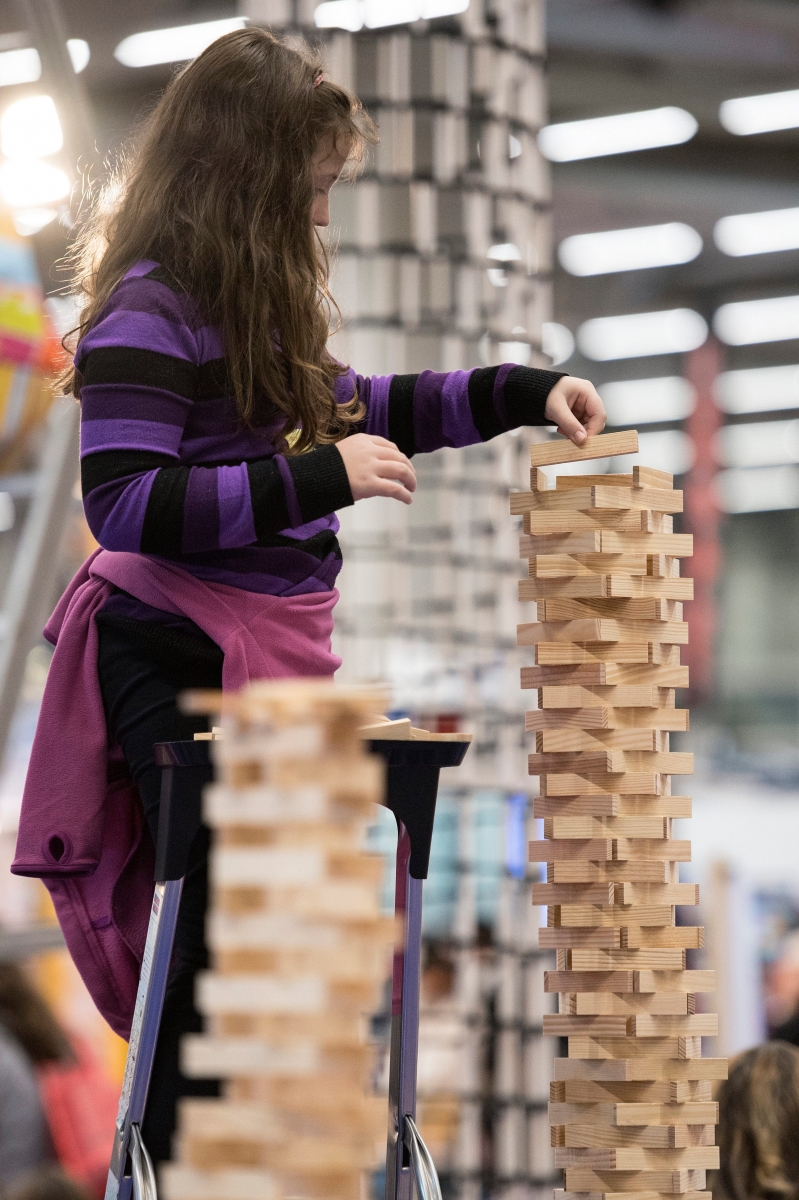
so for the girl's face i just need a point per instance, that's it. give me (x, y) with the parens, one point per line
(327, 164)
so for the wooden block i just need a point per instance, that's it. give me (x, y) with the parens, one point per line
(603, 629)
(633, 1158)
(599, 872)
(595, 850)
(594, 893)
(589, 499)
(609, 674)
(559, 939)
(608, 587)
(585, 1046)
(546, 806)
(590, 1091)
(584, 915)
(625, 586)
(662, 958)
(655, 893)
(573, 741)
(633, 782)
(691, 937)
(600, 446)
(649, 477)
(642, 1069)
(579, 481)
(543, 524)
(673, 719)
(560, 1194)
(598, 827)
(683, 981)
(644, 608)
(586, 541)
(588, 981)
(643, 848)
(675, 545)
(567, 566)
(651, 1137)
(569, 654)
(565, 1025)
(646, 1025)
(673, 1004)
(616, 696)
(663, 1182)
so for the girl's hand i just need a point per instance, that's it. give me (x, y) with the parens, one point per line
(375, 467)
(575, 407)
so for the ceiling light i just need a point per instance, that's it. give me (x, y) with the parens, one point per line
(339, 14)
(760, 114)
(759, 489)
(443, 8)
(30, 128)
(498, 276)
(32, 184)
(19, 66)
(28, 221)
(637, 335)
(176, 44)
(504, 252)
(643, 401)
(760, 444)
(758, 389)
(758, 233)
(514, 146)
(79, 54)
(629, 249)
(746, 322)
(557, 342)
(619, 134)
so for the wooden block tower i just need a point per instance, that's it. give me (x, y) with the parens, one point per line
(631, 1112)
(300, 952)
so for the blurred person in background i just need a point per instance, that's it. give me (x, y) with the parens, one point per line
(758, 1132)
(56, 1103)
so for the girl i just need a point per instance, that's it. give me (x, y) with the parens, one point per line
(219, 437)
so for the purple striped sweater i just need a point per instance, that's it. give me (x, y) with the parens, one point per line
(169, 470)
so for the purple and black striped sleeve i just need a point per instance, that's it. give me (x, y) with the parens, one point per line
(424, 412)
(143, 365)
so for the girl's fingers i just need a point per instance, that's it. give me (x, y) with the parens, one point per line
(393, 490)
(398, 471)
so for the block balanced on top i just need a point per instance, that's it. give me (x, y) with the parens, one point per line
(300, 952)
(631, 1109)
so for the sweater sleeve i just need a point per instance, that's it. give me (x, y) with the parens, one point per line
(143, 365)
(424, 412)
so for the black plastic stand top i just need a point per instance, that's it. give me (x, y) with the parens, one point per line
(411, 790)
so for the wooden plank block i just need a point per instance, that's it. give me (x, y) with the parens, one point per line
(603, 629)
(589, 1091)
(620, 826)
(576, 481)
(599, 872)
(611, 805)
(634, 1158)
(624, 1115)
(566, 566)
(565, 939)
(652, 1137)
(606, 541)
(641, 1070)
(608, 674)
(582, 1045)
(588, 499)
(594, 893)
(666, 850)
(673, 719)
(662, 958)
(685, 981)
(645, 608)
(646, 1025)
(594, 762)
(632, 782)
(623, 695)
(655, 893)
(570, 654)
(595, 850)
(565, 1025)
(601, 445)
(649, 477)
(589, 981)
(661, 1182)
(624, 586)
(673, 1004)
(583, 915)
(691, 937)
(543, 524)
(573, 741)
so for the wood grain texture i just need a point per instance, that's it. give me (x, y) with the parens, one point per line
(603, 445)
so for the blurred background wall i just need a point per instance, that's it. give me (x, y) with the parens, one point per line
(609, 185)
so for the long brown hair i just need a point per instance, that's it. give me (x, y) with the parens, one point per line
(219, 190)
(759, 1125)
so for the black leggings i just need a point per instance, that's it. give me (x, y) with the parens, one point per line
(142, 671)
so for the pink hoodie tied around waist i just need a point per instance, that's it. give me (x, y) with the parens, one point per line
(82, 829)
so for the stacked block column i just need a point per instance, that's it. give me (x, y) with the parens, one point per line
(631, 1109)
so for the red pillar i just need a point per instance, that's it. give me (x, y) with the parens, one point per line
(702, 517)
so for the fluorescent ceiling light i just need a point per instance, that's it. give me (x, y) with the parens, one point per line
(504, 252)
(629, 249)
(32, 184)
(758, 233)
(617, 135)
(176, 44)
(28, 221)
(637, 335)
(376, 14)
(557, 342)
(747, 322)
(644, 401)
(19, 66)
(760, 114)
(30, 128)
(759, 489)
(498, 276)
(760, 444)
(79, 53)
(758, 389)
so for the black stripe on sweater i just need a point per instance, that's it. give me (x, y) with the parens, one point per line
(400, 413)
(481, 402)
